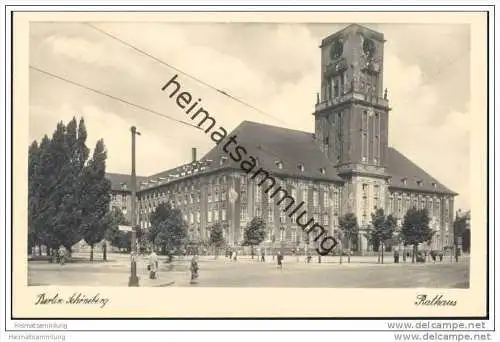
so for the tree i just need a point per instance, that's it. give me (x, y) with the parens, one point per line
(41, 209)
(56, 187)
(168, 229)
(67, 154)
(416, 229)
(33, 193)
(217, 237)
(255, 233)
(381, 230)
(114, 235)
(348, 224)
(95, 199)
(461, 230)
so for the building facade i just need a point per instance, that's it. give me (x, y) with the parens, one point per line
(345, 166)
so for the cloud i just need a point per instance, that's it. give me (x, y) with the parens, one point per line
(438, 146)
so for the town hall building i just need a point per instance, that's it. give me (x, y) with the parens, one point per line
(346, 165)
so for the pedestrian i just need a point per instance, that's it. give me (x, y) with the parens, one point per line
(279, 258)
(263, 256)
(62, 255)
(440, 256)
(235, 255)
(433, 256)
(396, 256)
(194, 269)
(153, 265)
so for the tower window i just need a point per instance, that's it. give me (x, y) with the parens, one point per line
(301, 167)
(322, 170)
(279, 164)
(404, 180)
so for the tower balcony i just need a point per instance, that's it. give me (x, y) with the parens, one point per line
(353, 97)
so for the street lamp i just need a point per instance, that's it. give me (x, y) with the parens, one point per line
(282, 232)
(133, 280)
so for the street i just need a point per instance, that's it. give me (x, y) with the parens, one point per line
(362, 272)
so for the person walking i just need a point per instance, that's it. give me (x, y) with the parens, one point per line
(153, 265)
(279, 258)
(263, 255)
(62, 255)
(194, 269)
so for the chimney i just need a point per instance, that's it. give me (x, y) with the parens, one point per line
(193, 153)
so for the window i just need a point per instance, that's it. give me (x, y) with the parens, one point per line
(124, 210)
(223, 214)
(294, 235)
(244, 215)
(216, 215)
(209, 216)
(258, 195)
(365, 190)
(326, 198)
(270, 212)
(376, 195)
(315, 197)
(305, 194)
(336, 201)
(198, 217)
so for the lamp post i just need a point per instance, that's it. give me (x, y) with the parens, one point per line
(282, 232)
(133, 280)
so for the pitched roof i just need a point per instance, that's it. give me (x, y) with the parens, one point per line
(118, 179)
(272, 145)
(402, 170)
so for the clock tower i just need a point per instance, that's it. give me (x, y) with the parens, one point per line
(351, 116)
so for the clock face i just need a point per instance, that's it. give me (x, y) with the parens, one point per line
(369, 47)
(336, 49)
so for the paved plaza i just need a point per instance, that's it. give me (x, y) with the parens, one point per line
(362, 272)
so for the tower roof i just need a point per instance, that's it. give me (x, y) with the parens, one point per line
(354, 28)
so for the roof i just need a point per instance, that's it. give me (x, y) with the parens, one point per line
(118, 179)
(402, 169)
(272, 145)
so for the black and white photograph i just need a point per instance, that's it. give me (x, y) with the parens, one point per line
(181, 154)
(204, 166)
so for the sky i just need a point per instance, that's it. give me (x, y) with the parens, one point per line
(274, 67)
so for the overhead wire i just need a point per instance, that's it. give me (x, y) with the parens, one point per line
(169, 65)
(100, 92)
